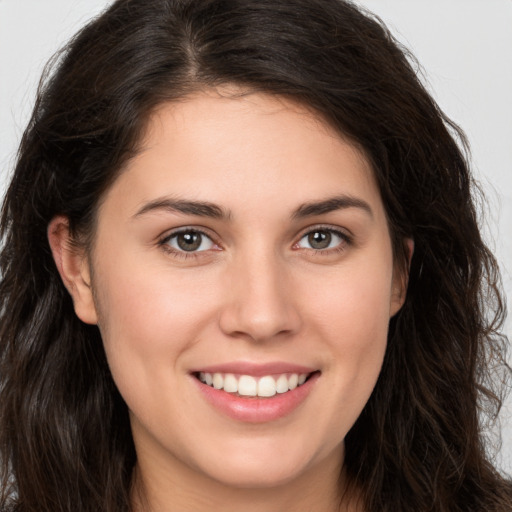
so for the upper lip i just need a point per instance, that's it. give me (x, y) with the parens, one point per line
(255, 369)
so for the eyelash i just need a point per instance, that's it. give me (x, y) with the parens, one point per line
(164, 243)
(346, 240)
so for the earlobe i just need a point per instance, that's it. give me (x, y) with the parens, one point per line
(73, 266)
(401, 280)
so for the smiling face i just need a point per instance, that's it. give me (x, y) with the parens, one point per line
(244, 251)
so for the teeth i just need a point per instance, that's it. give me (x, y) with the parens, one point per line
(218, 381)
(266, 386)
(230, 383)
(206, 378)
(246, 385)
(282, 384)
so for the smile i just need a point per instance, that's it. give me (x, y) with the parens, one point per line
(255, 394)
(249, 386)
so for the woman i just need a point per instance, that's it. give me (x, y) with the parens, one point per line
(242, 271)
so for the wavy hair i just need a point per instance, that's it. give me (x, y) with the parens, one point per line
(420, 443)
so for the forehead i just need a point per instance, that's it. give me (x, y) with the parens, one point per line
(238, 150)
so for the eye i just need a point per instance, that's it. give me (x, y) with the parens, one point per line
(321, 239)
(189, 240)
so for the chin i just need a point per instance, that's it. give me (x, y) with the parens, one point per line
(261, 465)
(256, 475)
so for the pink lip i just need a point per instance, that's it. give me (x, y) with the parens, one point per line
(256, 409)
(255, 369)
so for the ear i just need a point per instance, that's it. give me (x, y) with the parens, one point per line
(73, 266)
(401, 280)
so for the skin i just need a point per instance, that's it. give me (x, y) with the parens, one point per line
(258, 292)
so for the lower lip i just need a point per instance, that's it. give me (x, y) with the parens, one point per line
(256, 409)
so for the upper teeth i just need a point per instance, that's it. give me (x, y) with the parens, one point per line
(246, 385)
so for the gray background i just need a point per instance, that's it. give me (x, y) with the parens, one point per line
(464, 46)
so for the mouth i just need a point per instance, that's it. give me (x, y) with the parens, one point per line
(249, 386)
(256, 394)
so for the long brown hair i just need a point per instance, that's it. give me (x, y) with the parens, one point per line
(419, 445)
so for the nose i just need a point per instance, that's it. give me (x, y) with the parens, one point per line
(260, 304)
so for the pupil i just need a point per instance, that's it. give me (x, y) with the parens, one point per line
(320, 239)
(189, 241)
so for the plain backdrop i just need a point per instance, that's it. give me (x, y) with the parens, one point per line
(464, 46)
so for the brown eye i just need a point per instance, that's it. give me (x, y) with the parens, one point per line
(190, 241)
(321, 239)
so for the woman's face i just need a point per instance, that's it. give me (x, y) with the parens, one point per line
(245, 248)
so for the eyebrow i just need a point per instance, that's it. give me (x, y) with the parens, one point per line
(330, 205)
(207, 209)
(199, 208)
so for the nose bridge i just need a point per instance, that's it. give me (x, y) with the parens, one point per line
(260, 304)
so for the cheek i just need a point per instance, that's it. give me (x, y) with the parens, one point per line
(351, 315)
(352, 304)
(147, 321)
(137, 299)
